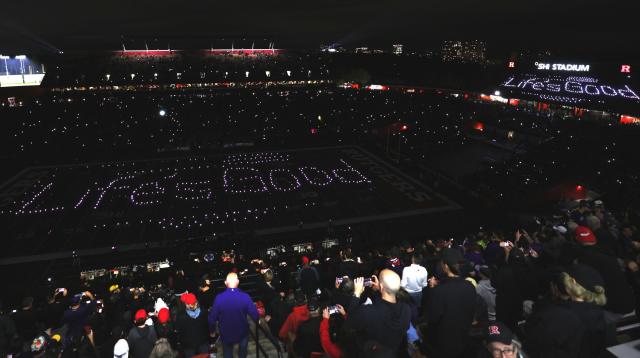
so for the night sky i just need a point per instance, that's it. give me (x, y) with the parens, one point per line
(568, 27)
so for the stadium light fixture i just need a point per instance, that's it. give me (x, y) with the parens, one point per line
(4, 57)
(21, 57)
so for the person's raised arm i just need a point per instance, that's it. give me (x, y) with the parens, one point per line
(325, 340)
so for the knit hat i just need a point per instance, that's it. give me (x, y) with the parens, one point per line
(394, 262)
(113, 288)
(560, 229)
(313, 305)
(486, 271)
(160, 304)
(163, 315)
(140, 315)
(188, 298)
(121, 349)
(584, 235)
(586, 276)
(38, 344)
(498, 332)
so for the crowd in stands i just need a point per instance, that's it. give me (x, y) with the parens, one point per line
(107, 126)
(556, 288)
(138, 68)
(536, 148)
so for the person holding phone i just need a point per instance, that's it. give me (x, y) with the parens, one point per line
(77, 316)
(57, 304)
(386, 320)
(333, 318)
(308, 334)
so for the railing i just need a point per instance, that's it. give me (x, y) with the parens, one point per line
(274, 341)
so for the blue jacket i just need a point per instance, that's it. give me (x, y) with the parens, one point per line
(230, 310)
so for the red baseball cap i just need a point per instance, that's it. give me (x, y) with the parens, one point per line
(188, 298)
(163, 315)
(584, 235)
(140, 314)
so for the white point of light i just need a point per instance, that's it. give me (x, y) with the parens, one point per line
(497, 93)
(163, 113)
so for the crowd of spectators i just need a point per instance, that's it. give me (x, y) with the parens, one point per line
(109, 125)
(534, 149)
(556, 288)
(140, 67)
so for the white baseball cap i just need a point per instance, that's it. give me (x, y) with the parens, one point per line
(121, 349)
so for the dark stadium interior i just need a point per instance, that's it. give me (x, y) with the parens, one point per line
(347, 179)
